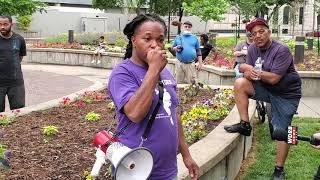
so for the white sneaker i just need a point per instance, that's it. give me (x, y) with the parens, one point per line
(98, 62)
(93, 61)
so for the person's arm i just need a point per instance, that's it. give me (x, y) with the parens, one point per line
(237, 50)
(23, 49)
(199, 55)
(281, 63)
(184, 150)
(139, 104)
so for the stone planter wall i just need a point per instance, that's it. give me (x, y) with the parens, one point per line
(208, 75)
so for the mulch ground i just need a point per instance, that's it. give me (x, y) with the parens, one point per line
(71, 152)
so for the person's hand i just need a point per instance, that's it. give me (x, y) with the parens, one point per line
(157, 59)
(238, 53)
(254, 75)
(178, 48)
(192, 167)
(199, 66)
(317, 136)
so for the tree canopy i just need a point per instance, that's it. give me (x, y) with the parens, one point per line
(110, 4)
(20, 7)
(259, 8)
(206, 9)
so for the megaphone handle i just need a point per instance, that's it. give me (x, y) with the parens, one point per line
(97, 166)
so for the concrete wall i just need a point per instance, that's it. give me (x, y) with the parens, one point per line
(69, 18)
(208, 75)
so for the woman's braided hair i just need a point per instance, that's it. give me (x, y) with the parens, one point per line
(132, 26)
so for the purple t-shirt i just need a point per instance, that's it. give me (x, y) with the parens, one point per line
(162, 140)
(278, 59)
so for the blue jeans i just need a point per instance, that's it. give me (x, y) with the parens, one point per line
(237, 72)
(282, 109)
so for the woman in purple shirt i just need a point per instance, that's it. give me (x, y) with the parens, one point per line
(133, 88)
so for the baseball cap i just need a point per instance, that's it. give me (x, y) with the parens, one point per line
(188, 22)
(256, 21)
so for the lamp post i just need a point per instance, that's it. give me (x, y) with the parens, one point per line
(169, 20)
(304, 7)
(238, 35)
(235, 30)
(318, 39)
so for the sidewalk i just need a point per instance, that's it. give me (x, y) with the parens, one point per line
(47, 82)
(309, 107)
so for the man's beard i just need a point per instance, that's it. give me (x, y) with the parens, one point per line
(6, 32)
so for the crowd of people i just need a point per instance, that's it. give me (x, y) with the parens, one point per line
(134, 85)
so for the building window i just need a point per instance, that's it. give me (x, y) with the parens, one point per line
(285, 19)
(284, 31)
(318, 20)
(300, 15)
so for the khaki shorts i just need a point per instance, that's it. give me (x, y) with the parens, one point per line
(99, 50)
(186, 73)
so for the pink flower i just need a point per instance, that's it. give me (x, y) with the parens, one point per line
(80, 103)
(66, 100)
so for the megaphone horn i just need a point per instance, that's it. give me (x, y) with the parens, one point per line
(134, 164)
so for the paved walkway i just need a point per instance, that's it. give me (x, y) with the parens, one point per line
(47, 82)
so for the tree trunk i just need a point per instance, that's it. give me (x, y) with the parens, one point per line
(169, 20)
(180, 18)
(205, 27)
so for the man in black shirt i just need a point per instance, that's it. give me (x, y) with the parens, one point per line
(12, 50)
(205, 46)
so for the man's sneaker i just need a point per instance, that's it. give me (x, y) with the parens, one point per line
(241, 128)
(93, 61)
(278, 175)
(98, 62)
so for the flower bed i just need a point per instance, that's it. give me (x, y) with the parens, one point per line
(221, 58)
(57, 143)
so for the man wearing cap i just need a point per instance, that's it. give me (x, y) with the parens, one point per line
(240, 53)
(278, 83)
(187, 49)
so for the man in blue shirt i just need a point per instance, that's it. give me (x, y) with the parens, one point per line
(187, 49)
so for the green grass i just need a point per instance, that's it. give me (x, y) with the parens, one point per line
(302, 161)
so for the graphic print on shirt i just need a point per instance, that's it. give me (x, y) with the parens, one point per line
(167, 104)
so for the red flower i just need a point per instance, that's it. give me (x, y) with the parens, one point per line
(80, 103)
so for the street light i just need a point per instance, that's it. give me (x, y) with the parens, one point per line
(318, 34)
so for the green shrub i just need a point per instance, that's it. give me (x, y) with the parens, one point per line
(24, 22)
(88, 38)
(112, 38)
(121, 42)
(116, 38)
(50, 130)
(92, 116)
(61, 38)
(226, 42)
